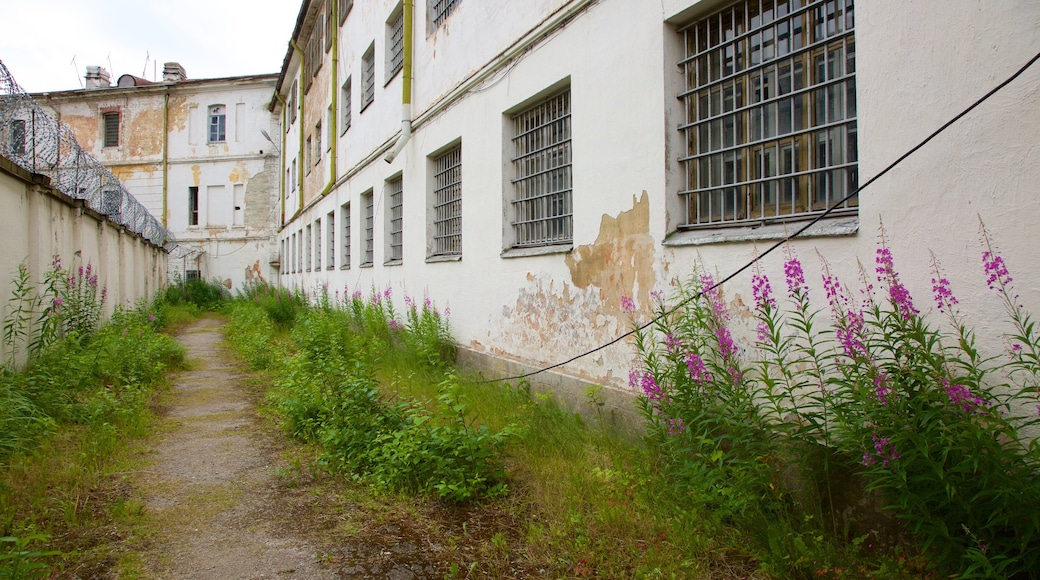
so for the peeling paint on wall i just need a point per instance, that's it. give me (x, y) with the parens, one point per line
(255, 272)
(143, 135)
(621, 260)
(196, 174)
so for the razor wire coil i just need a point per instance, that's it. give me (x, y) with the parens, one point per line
(36, 141)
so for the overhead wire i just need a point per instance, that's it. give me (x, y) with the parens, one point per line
(784, 240)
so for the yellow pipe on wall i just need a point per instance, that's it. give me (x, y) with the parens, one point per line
(281, 179)
(165, 157)
(406, 86)
(299, 87)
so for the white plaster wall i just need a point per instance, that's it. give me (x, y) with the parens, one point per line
(916, 68)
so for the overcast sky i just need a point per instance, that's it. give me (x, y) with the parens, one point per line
(210, 38)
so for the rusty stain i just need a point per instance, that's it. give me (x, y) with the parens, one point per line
(196, 174)
(620, 261)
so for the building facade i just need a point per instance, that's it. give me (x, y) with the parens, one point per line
(534, 165)
(193, 152)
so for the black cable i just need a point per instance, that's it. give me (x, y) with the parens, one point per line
(783, 241)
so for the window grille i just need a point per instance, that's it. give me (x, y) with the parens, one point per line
(440, 10)
(344, 216)
(770, 106)
(542, 173)
(317, 245)
(344, 9)
(307, 245)
(317, 143)
(345, 105)
(395, 45)
(330, 24)
(299, 251)
(18, 137)
(193, 206)
(293, 178)
(368, 77)
(396, 196)
(292, 105)
(111, 127)
(447, 203)
(370, 238)
(330, 233)
(217, 124)
(192, 275)
(307, 152)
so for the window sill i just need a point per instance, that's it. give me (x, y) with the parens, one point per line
(366, 265)
(330, 268)
(345, 267)
(393, 262)
(444, 258)
(536, 251)
(830, 227)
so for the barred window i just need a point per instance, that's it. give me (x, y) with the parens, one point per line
(193, 206)
(317, 245)
(440, 10)
(370, 238)
(344, 9)
(770, 106)
(292, 106)
(111, 129)
(307, 247)
(447, 203)
(344, 218)
(542, 212)
(395, 196)
(330, 233)
(317, 143)
(345, 105)
(330, 24)
(394, 44)
(368, 77)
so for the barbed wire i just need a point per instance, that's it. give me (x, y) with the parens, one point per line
(36, 141)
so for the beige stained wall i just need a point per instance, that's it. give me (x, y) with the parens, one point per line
(39, 222)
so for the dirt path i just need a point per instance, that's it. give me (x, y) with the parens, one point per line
(213, 493)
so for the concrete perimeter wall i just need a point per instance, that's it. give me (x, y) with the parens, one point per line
(38, 222)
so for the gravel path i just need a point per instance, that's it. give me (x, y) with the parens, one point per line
(213, 491)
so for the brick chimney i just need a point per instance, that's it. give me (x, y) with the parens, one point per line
(173, 72)
(97, 78)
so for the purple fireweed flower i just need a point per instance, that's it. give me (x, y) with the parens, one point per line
(698, 372)
(645, 381)
(961, 396)
(357, 294)
(151, 317)
(394, 325)
(996, 271)
(388, 292)
(795, 277)
(447, 311)
(849, 325)
(672, 343)
(627, 304)
(735, 375)
(89, 269)
(376, 298)
(409, 302)
(427, 304)
(881, 390)
(884, 451)
(762, 292)
(887, 274)
(676, 426)
(79, 271)
(56, 262)
(727, 348)
(657, 295)
(944, 298)
(714, 296)
(58, 301)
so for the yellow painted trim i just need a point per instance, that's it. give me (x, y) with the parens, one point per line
(165, 158)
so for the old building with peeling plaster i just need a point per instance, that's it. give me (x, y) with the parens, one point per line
(528, 164)
(194, 153)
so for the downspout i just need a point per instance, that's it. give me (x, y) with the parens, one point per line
(282, 180)
(303, 69)
(333, 127)
(165, 156)
(406, 86)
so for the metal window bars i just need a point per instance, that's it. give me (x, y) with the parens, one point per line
(368, 77)
(396, 195)
(770, 105)
(39, 143)
(447, 203)
(370, 237)
(542, 206)
(395, 52)
(440, 10)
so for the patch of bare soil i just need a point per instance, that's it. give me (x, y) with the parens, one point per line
(227, 496)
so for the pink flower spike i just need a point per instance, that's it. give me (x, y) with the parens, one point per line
(627, 304)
